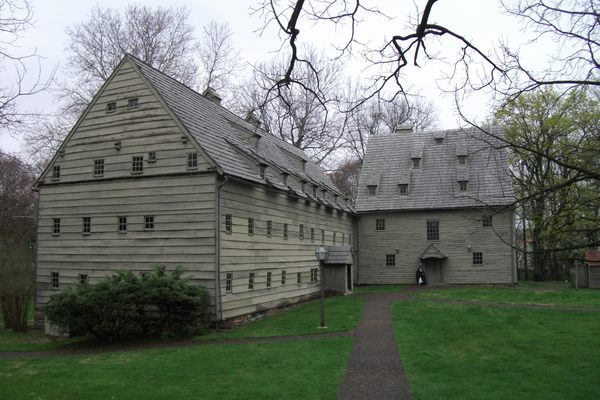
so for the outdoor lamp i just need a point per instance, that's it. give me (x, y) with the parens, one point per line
(321, 254)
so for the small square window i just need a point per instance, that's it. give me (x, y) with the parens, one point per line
(192, 160)
(132, 104)
(56, 173)
(137, 164)
(87, 225)
(487, 220)
(269, 228)
(111, 107)
(477, 258)
(390, 260)
(122, 224)
(433, 230)
(403, 188)
(229, 282)
(152, 157)
(283, 276)
(416, 163)
(372, 190)
(228, 223)
(251, 281)
(55, 280)
(99, 167)
(322, 236)
(299, 278)
(285, 231)
(250, 226)
(380, 224)
(83, 279)
(462, 160)
(149, 223)
(269, 276)
(56, 226)
(312, 234)
(462, 185)
(301, 232)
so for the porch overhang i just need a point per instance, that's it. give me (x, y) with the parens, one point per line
(432, 252)
(337, 255)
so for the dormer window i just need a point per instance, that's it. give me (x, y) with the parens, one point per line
(416, 162)
(314, 190)
(323, 192)
(111, 107)
(262, 169)
(303, 165)
(56, 173)
(463, 185)
(284, 178)
(462, 160)
(403, 188)
(372, 190)
(303, 185)
(132, 104)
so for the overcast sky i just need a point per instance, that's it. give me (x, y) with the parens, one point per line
(480, 21)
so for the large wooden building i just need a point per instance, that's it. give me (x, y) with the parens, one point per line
(155, 173)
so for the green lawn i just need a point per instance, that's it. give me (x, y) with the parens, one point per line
(32, 340)
(453, 351)
(311, 369)
(342, 313)
(538, 294)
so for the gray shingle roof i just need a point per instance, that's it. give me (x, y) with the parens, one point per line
(338, 255)
(235, 145)
(435, 184)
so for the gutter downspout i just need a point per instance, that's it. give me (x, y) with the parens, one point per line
(218, 300)
(35, 251)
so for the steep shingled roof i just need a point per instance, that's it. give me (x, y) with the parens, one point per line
(434, 185)
(224, 137)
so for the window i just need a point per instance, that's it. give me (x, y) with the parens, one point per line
(192, 161)
(132, 104)
(403, 188)
(322, 236)
(269, 275)
(250, 226)
(314, 275)
(299, 278)
(56, 172)
(301, 232)
(148, 223)
(439, 140)
(487, 220)
(312, 234)
(350, 239)
(83, 279)
(137, 164)
(433, 230)
(477, 258)
(251, 281)
(56, 226)
(55, 280)
(380, 224)
(334, 236)
(462, 160)
(390, 260)
(283, 277)
(269, 228)
(152, 157)
(122, 222)
(111, 107)
(228, 282)
(285, 231)
(314, 190)
(462, 185)
(87, 225)
(262, 170)
(228, 223)
(284, 178)
(99, 167)
(416, 163)
(372, 190)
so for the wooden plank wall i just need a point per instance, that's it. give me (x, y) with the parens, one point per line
(242, 253)
(406, 231)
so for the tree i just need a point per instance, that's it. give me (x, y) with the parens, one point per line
(15, 17)
(17, 220)
(552, 135)
(345, 177)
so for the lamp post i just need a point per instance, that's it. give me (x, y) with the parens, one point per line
(321, 254)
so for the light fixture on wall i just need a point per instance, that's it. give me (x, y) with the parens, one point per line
(469, 248)
(397, 250)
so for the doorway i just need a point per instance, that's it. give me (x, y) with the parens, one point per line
(433, 271)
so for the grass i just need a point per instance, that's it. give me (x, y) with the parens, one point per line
(342, 313)
(311, 369)
(453, 351)
(538, 294)
(32, 340)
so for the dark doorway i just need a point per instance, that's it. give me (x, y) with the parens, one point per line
(433, 271)
(349, 277)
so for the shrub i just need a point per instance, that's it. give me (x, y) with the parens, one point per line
(160, 303)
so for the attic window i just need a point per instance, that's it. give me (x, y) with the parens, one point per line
(403, 188)
(372, 190)
(462, 185)
(99, 167)
(56, 173)
(132, 104)
(416, 162)
(111, 107)
(262, 170)
(487, 220)
(315, 190)
(284, 178)
(439, 140)
(152, 157)
(192, 161)
(137, 164)
(462, 160)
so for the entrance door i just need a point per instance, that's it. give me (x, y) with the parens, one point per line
(349, 278)
(433, 271)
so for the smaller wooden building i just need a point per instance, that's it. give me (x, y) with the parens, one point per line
(337, 269)
(592, 259)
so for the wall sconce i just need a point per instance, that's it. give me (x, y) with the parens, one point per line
(184, 139)
(117, 146)
(469, 248)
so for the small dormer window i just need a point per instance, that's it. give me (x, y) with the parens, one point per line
(416, 162)
(314, 190)
(303, 185)
(462, 160)
(262, 169)
(152, 157)
(372, 190)
(403, 188)
(323, 192)
(56, 173)
(132, 104)
(463, 185)
(111, 107)
(303, 165)
(284, 178)
(192, 161)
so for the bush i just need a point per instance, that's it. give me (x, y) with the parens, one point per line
(159, 303)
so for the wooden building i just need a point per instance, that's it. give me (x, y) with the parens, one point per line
(442, 199)
(156, 173)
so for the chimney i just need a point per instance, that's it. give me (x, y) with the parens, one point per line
(403, 129)
(212, 95)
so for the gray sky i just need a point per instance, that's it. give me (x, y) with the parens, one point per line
(480, 21)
